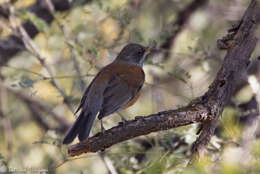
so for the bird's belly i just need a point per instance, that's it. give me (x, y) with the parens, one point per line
(131, 102)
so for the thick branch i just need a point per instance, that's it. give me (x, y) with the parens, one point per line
(241, 43)
(206, 109)
(140, 126)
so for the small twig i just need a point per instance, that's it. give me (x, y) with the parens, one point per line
(37, 116)
(32, 48)
(36, 105)
(73, 56)
(5, 120)
(250, 131)
(43, 77)
(107, 161)
(12, 45)
(182, 18)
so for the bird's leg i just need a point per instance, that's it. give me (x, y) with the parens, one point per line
(102, 127)
(123, 120)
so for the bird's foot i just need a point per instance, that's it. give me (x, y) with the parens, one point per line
(123, 120)
(102, 127)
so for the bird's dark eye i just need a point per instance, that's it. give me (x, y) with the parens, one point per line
(140, 52)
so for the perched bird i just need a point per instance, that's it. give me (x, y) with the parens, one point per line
(116, 86)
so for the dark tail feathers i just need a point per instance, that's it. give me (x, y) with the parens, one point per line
(81, 127)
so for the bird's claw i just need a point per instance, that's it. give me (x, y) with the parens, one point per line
(123, 122)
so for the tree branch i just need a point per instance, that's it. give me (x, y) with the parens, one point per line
(182, 18)
(140, 126)
(13, 44)
(36, 106)
(240, 44)
(206, 109)
(31, 47)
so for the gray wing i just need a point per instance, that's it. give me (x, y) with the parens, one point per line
(116, 95)
(84, 98)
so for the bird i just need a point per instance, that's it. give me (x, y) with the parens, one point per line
(116, 86)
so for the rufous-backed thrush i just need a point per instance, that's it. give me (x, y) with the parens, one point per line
(116, 86)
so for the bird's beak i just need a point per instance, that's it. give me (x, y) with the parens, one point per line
(148, 50)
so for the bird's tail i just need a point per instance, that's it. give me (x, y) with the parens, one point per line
(85, 128)
(81, 127)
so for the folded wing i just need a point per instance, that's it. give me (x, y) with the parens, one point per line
(119, 91)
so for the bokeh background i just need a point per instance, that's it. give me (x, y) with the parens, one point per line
(38, 98)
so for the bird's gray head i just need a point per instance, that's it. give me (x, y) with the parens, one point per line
(133, 53)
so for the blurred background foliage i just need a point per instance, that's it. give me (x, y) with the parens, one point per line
(79, 42)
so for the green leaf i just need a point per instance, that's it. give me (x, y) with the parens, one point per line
(157, 167)
(26, 82)
(178, 77)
